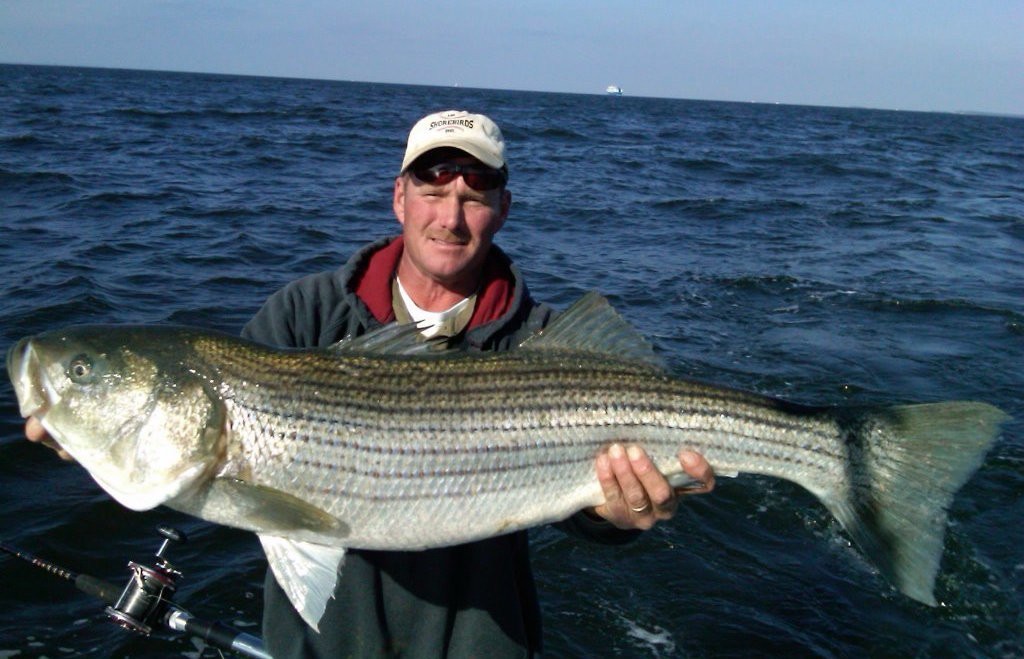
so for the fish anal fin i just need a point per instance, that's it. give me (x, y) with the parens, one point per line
(307, 572)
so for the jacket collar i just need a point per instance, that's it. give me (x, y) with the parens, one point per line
(494, 299)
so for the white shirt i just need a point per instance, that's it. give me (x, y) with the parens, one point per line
(433, 323)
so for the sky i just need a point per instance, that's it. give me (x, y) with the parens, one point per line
(932, 55)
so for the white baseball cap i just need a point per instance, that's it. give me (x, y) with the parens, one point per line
(475, 134)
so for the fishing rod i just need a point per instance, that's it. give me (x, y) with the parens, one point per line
(144, 603)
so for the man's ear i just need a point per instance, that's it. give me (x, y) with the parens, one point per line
(506, 205)
(398, 199)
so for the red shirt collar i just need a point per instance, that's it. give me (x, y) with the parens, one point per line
(494, 298)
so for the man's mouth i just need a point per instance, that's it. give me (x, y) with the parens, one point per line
(448, 239)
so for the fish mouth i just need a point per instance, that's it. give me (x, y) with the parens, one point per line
(26, 376)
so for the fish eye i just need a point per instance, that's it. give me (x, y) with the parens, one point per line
(79, 369)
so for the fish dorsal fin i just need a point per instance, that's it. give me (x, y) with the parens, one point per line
(592, 325)
(391, 339)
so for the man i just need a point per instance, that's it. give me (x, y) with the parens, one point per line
(444, 273)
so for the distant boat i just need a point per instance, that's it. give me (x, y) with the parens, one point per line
(615, 90)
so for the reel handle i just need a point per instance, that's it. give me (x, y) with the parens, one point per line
(170, 535)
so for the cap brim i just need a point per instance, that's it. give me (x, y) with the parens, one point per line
(473, 150)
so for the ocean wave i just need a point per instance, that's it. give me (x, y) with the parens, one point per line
(81, 308)
(761, 283)
(705, 164)
(700, 206)
(215, 113)
(784, 285)
(940, 306)
(9, 177)
(115, 198)
(22, 140)
(210, 212)
(830, 166)
(559, 133)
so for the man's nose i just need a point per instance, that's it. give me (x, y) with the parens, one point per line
(452, 210)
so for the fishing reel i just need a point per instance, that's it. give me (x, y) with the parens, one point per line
(145, 599)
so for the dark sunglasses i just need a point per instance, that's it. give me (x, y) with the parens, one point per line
(478, 177)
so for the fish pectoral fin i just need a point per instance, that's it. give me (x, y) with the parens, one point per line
(268, 510)
(307, 573)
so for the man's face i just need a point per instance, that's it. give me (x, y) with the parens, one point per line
(448, 228)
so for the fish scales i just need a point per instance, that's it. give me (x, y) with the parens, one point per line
(371, 430)
(619, 396)
(604, 405)
(612, 400)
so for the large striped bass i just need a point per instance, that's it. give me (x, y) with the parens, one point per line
(383, 443)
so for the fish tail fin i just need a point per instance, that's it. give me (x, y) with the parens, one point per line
(906, 464)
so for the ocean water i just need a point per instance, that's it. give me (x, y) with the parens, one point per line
(824, 255)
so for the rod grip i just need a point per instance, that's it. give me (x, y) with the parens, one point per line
(104, 590)
(222, 636)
